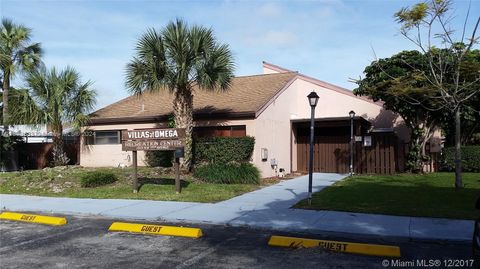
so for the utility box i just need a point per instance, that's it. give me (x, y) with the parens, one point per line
(264, 154)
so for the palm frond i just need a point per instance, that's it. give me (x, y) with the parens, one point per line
(178, 57)
(16, 51)
(215, 71)
(60, 96)
(26, 110)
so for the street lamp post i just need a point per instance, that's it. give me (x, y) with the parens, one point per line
(352, 139)
(312, 100)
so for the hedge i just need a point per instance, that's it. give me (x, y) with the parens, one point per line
(97, 178)
(470, 159)
(231, 173)
(223, 149)
(159, 158)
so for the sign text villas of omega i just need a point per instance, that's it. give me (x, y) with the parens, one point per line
(170, 133)
(153, 139)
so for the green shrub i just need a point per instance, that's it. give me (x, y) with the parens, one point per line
(97, 178)
(159, 158)
(231, 173)
(223, 149)
(470, 159)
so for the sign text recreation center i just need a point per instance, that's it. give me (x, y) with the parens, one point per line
(172, 133)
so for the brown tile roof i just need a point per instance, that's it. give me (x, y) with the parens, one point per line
(246, 95)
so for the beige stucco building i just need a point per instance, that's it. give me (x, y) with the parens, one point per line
(272, 107)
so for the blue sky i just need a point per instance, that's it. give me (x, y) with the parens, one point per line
(332, 40)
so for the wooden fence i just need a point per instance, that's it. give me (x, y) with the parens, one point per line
(330, 153)
(379, 158)
(39, 155)
(386, 155)
(432, 165)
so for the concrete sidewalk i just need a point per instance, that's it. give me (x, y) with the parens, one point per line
(265, 208)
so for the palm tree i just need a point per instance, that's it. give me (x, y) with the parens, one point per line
(54, 98)
(176, 59)
(17, 54)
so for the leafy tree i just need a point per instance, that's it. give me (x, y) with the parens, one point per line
(17, 54)
(470, 116)
(177, 59)
(54, 98)
(427, 25)
(398, 82)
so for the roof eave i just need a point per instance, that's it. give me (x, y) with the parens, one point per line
(164, 118)
(338, 89)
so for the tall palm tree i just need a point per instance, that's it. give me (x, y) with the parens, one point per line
(17, 54)
(54, 98)
(176, 59)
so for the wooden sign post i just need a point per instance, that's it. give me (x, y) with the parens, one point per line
(177, 155)
(154, 139)
(178, 182)
(135, 173)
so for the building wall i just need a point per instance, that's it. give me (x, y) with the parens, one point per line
(277, 135)
(272, 128)
(338, 103)
(112, 155)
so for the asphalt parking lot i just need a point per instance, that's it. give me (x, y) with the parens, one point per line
(86, 243)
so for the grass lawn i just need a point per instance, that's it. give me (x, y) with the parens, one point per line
(156, 184)
(428, 195)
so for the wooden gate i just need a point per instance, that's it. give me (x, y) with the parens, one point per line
(332, 154)
(379, 158)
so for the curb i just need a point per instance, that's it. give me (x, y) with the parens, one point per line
(303, 231)
(156, 229)
(48, 220)
(338, 246)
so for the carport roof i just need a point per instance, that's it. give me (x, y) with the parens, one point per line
(336, 121)
(246, 96)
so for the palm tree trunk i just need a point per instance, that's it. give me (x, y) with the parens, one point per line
(5, 88)
(59, 156)
(183, 113)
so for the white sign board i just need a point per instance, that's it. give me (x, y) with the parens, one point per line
(367, 141)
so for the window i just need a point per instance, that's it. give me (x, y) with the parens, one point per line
(105, 137)
(220, 131)
(238, 131)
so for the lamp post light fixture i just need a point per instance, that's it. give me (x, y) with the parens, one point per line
(352, 140)
(312, 100)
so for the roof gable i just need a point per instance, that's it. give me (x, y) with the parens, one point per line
(321, 83)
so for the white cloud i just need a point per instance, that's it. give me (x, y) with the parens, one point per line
(281, 38)
(270, 10)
